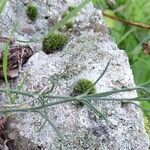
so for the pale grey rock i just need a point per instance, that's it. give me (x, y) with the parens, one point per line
(85, 56)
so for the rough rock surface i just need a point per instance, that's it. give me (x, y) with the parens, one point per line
(85, 56)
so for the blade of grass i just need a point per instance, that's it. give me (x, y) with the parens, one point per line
(5, 61)
(100, 4)
(41, 126)
(29, 109)
(5, 68)
(42, 101)
(144, 109)
(146, 84)
(51, 123)
(14, 28)
(2, 5)
(137, 49)
(47, 118)
(89, 90)
(119, 99)
(53, 82)
(19, 89)
(96, 111)
(126, 35)
(104, 94)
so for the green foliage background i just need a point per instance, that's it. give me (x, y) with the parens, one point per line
(130, 38)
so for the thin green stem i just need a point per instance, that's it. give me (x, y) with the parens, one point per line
(116, 91)
(144, 109)
(120, 99)
(104, 71)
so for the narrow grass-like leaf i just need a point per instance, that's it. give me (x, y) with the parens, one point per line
(19, 89)
(53, 82)
(100, 4)
(119, 99)
(137, 49)
(41, 126)
(126, 35)
(5, 61)
(104, 71)
(144, 109)
(96, 111)
(17, 92)
(14, 28)
(31, 109)
(2, 5)
(48, 119)
(104, 94)
(145, 84)
(30, 41)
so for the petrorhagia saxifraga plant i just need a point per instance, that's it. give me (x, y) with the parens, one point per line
(84, 98)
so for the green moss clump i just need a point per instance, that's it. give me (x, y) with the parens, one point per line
(82, 86)
(54, 42)
(32, 12)
(65, 14)
(69, 25)
(71, 8)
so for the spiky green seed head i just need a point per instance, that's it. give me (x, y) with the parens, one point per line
(54, 42)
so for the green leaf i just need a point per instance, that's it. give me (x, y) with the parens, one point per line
(19, 88)
(2, 5)
(94, 109)
(100, 4)
(88, 91)
(120, 2)
(5, 61)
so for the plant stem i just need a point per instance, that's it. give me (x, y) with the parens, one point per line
(137, 24)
